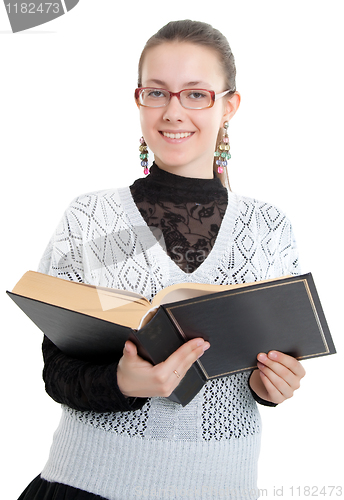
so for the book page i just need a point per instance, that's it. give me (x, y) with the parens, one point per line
(184, 291)
(112, 298)
(122, 307)
(184, 294)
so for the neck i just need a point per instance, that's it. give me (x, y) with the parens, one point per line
(190, 170)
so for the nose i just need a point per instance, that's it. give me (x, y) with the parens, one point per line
(174, 111)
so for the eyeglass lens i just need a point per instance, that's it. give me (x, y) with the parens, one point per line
(191, 98)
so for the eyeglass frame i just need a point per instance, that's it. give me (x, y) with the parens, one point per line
(213, 95)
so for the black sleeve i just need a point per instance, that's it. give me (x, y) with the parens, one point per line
(257, 398)
(82, 385)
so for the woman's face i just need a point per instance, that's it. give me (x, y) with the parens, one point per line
(175, 66)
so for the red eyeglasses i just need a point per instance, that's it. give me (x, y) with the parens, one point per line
(189, 98)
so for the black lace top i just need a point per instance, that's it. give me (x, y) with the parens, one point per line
(188, 212)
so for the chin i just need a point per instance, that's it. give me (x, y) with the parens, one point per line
(172, 161)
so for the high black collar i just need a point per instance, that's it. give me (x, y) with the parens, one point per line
(160, 177)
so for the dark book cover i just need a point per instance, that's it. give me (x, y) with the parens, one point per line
(285, 315)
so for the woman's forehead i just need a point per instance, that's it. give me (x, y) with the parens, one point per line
(182, 64)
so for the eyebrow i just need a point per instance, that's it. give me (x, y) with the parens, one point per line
(186, 85)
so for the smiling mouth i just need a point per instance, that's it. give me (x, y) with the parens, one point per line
(178, 135)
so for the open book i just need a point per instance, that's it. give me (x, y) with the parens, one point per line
(239, 321)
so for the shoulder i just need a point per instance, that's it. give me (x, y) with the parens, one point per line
(102, 202)
(87, 201)
(102, 209)
(261, 212)
(246, 202)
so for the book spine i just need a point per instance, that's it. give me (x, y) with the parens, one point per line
(189, 386)
(319, 312)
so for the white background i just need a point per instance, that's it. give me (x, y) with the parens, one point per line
(69, 124)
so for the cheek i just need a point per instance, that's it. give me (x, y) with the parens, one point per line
(148, 121)
(143, 121)
(210, 130)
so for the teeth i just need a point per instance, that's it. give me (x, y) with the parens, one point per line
(176, 136)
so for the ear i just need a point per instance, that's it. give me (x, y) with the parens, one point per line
(231, 106)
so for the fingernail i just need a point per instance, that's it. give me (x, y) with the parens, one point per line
(205, 347)
(272, 355)
(200, 342)
(262, 357)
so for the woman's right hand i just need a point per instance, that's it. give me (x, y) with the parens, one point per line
(137, 377)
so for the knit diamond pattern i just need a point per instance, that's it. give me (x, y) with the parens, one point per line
(133, 424)
(228, 410)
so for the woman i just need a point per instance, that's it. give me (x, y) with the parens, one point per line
(119, 437)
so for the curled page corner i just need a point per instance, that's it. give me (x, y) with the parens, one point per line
(148, 316)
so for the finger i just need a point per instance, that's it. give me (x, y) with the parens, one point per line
(131, 357)
(288, 361)
(292, 371)
(166, 376)
(185, 356)
(274, 394)
(277, 383)
(130, 348)
(274, 369)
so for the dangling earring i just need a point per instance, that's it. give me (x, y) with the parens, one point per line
(223, 153)
(144, 155)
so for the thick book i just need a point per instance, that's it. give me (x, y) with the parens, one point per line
(93, 323)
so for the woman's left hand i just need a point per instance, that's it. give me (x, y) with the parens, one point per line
(277, 377)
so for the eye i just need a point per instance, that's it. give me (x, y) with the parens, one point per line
(154, 93)
(196, 95)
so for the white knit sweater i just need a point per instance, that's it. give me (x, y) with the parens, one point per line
(208, 449)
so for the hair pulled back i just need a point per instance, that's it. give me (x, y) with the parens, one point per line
(198, 33)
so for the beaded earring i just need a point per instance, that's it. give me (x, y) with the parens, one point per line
(222, 154)
(144, 156)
